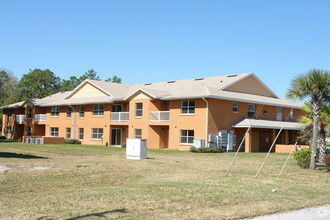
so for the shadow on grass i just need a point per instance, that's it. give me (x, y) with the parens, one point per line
(98, 214)
(22, 156)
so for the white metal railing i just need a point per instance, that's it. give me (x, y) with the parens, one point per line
(40, 118)
(119, 116)
(20, 118)
(159, 116)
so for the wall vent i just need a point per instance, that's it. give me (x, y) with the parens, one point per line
(232, 75)
(171, 81)
(199, 79)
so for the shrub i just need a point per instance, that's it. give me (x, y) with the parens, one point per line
(207, 150)
(327, 162)
(2, 137)
(303, 157)
(72, 141)
(123, 145)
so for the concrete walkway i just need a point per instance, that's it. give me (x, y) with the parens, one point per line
(322, 212)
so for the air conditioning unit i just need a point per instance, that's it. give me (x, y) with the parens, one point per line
(38, 141)
(198, 143)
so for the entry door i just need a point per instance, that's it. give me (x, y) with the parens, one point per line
(116, 137)
(255, 142)
(117, 108)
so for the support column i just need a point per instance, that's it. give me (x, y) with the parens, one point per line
(248, 142)
(286, 137)
(273, 135)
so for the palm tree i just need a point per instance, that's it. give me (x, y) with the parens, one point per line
(306, 133)
(313, 85)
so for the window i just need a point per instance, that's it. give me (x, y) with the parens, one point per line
(55, 112)
(250, 110)
(292, 113)
(138, 110)
(81, 133)
(188, 107)
(117, 108)
(138, 133)
(8, 130)
(9, 113)
(54, 132)
(68, 112)
(235, 107)
(279, 114)
(187, 137)
(68, 133)
(82, 111)
(97, 133)
(29, 113)
(98, 110)
(28, 131)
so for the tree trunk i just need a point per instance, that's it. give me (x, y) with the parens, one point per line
(316, 113)
(322, 145)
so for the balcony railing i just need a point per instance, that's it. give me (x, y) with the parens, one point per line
(119, 116)
(20, 118)
(40, 118)
(160, 116)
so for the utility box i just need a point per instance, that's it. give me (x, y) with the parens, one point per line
(136, 149)
(198, 143)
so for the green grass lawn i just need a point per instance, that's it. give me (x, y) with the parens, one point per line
(86, 182)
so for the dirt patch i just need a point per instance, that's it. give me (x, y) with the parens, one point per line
(4, 168)
(34, 168)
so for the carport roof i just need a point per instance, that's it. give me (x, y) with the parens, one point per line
(269, 124)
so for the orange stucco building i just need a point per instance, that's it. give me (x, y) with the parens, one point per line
(168, 114)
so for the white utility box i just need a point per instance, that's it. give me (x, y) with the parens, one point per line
(198, 143)
(136, 148)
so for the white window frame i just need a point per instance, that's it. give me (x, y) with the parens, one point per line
(235, 107)
(138, 110)
(81, 133)
(250, 110)
(55, 111)
(98, 110)
(279, 114)
(8, 130)
(69, 111)
(190, 107)
(138, 133)
(97, 134)
(68, 133)
(82, 111)
(292, 113)
(29, 113)
(54, 131)
(185, 134)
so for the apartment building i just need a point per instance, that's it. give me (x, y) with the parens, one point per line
(168, 114)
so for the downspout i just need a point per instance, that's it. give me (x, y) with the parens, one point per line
(206, 123)
(73, 122)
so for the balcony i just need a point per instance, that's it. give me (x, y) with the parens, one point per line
(40, 118)
(20, 118)
(160, 116)
(119, 116)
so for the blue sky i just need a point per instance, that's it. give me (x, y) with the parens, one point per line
(162, 40)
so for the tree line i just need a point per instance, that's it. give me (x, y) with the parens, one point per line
(39, 83)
